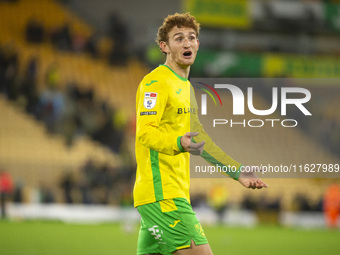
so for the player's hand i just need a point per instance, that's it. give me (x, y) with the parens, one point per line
(189, 146)
(249, 180)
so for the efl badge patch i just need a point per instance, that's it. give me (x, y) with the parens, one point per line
(150, 99)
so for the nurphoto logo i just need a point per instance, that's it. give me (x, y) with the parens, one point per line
(281, 97)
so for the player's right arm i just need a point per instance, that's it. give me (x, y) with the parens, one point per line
(151, 102)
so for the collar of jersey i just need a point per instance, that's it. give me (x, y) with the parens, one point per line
(180, 77)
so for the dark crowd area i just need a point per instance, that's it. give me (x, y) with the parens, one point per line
(72, 112)
(94, 183)
(113, 46)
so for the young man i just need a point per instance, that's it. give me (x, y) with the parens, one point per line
(163, 140)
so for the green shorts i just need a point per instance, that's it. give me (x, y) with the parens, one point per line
(167, 226)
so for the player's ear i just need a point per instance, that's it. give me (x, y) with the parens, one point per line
(164, 46)
(198, 44)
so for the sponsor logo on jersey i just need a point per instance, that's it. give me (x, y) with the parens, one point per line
(184, 110)
(148, 113)
(157, 233)
(153, 81)
(174, 224)
(150, 99)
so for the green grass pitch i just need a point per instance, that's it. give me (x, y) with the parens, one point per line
(55, 238)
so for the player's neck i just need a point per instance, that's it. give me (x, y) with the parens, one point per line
(182, 71)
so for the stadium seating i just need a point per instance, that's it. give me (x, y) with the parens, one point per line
(27, 151)
(14, 17)
(81, 68)
(35, 157)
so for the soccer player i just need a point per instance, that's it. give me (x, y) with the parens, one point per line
(164, 142)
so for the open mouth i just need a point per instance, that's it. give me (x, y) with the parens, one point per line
(187, 53)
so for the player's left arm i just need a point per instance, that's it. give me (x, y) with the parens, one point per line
(213, 153)
(216, 156)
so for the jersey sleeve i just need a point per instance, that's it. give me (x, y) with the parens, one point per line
(213, 153)
(150, 104)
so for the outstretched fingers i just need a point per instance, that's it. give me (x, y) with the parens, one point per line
(256, 184)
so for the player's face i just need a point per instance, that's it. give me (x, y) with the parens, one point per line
(182, 46)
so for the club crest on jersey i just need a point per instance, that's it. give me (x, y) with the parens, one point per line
(150, 99)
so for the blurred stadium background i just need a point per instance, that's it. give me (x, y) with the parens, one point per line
(69, 71)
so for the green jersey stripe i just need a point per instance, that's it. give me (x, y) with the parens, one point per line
(180, 77)
(156, 175)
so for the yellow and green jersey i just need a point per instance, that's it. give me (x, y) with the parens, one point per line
(163, 111)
